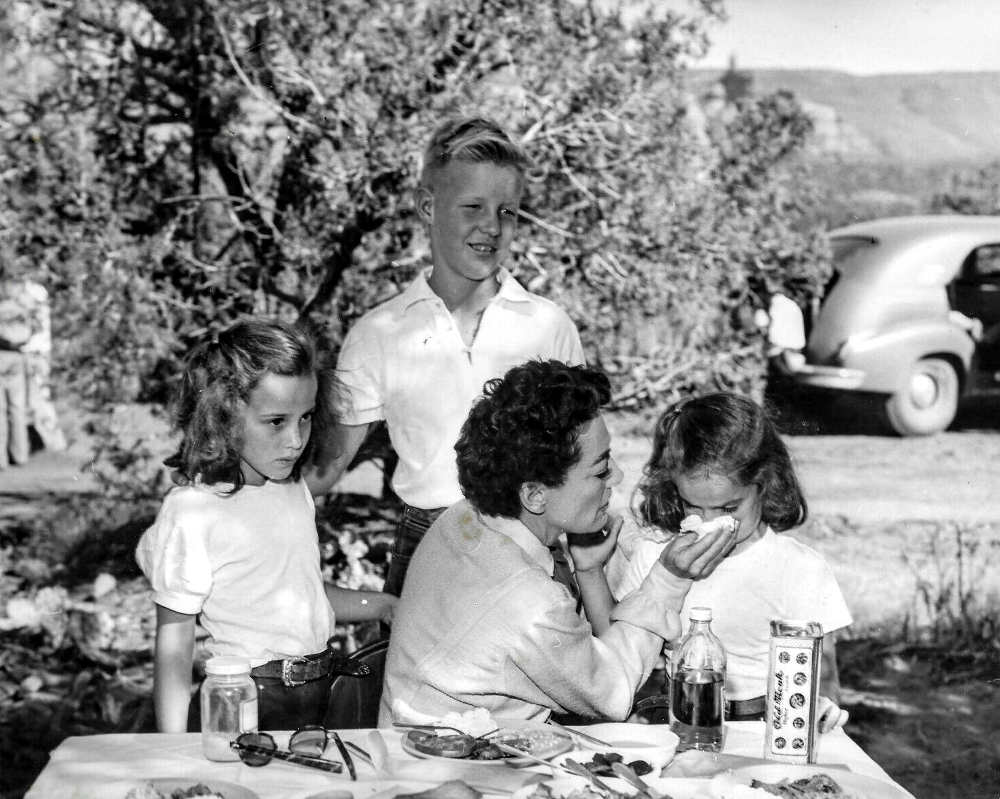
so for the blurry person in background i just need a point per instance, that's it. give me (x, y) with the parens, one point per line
(25, 365)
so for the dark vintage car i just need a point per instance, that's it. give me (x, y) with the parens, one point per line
(911, 314)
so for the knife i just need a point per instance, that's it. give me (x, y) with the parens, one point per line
(583, 771)
(580, 735)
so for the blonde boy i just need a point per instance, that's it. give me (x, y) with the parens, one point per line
(419, 360)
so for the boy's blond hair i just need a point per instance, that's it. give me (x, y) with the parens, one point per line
(473, 139)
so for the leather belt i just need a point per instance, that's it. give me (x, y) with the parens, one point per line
(295, 671)
(739, 709)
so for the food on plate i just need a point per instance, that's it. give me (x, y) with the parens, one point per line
(544, 791)
(149, 791)
(475, 722)
(600, 764)
(694, 524)
(429, 743)
(453, 789)
(815, 787)
(536, 742)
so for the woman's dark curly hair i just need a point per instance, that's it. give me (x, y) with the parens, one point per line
(219, 375)
(724, 434)
(526, 428)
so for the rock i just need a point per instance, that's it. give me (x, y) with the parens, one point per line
(104, 584)
(21, 612)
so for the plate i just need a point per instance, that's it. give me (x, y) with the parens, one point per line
(654, 743)
(860, 786)
(556, 743)
(167, 785)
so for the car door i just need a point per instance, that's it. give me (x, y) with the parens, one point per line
(975, 292)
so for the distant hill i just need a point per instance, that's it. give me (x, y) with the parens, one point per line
(943, 117)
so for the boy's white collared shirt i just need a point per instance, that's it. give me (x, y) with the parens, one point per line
(405, 362)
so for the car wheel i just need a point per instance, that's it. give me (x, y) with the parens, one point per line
(928, 402)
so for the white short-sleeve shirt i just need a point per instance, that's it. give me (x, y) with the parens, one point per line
(776, 577)
(248, 563)
(405, 362)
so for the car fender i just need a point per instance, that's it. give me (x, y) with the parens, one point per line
(887, 356)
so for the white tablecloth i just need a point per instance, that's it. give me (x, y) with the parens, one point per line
(102, 766)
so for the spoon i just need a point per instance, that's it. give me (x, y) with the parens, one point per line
(628, 774)
(430, 727)
(446, 727)
(511, 750)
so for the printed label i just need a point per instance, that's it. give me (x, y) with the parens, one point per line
(792, 693)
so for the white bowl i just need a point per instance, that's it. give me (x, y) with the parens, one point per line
(654, 743)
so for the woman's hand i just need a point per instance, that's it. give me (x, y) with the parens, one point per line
(689, 557)
(830, 715)
(592, 551)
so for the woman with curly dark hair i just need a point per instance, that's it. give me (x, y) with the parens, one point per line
(481, 622)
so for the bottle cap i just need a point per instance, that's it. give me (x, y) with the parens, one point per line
(227, 666)
(701, 614)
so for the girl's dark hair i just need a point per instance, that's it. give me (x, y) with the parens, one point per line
(219, 375)
(724, 434)
(526, 428)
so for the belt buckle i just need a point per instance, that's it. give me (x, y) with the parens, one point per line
(286, 672)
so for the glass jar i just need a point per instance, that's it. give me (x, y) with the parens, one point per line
(228, 706)
(697, 686)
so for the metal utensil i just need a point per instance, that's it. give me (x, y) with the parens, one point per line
(445, 727)
(628, 774)
(582, 771)
(580, 735)
(511, 750)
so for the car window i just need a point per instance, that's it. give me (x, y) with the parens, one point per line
(982, 265)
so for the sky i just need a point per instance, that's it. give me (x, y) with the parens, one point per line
(864, 37)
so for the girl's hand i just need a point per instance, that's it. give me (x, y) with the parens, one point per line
(830, 715)
(592, 551)
(689, 557)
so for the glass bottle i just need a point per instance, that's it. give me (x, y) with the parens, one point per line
(228, 706)
(697, 686)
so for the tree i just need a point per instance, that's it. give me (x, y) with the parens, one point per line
(191, 160)
(971, 191)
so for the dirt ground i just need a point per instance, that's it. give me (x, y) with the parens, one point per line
(893, 517)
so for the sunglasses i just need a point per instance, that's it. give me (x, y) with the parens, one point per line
(305, 748)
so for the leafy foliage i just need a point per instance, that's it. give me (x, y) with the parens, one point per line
(177, 163)
(972, 191)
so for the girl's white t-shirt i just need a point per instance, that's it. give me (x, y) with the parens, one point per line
(776, 577)
(248, 562)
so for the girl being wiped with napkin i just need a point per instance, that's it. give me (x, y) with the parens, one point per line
(237, 545)
(721, 455)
